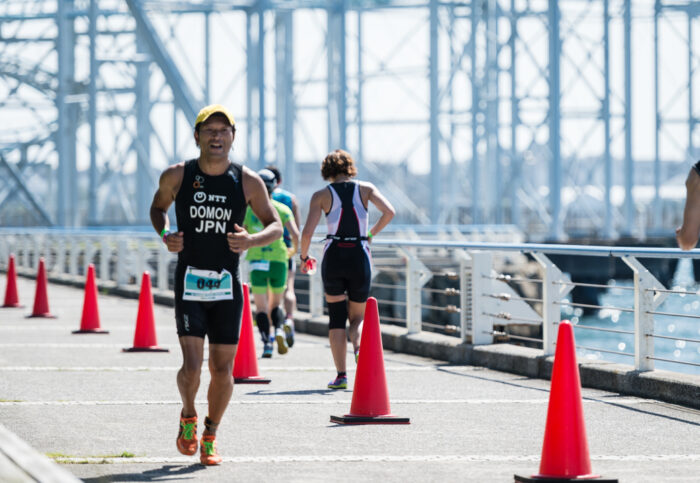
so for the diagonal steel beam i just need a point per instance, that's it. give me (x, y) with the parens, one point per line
(182, 96)
(30, 197)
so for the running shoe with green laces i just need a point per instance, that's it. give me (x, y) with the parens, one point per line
(289, 332)
(281, 341)
(207, 451)
(187, 436)
(338, 383)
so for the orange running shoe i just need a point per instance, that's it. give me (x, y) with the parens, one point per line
(187, 437)
(207, 452)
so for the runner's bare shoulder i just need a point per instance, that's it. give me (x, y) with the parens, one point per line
(171, 178)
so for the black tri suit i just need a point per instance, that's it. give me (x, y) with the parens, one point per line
(208, 291)
(346, 265)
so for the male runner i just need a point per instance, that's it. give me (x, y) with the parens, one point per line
(211, 194)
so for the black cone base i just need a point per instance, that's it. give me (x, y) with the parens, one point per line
(90, 331)
(534, 479)
(145, 349)
(350, 419)
(251, 380)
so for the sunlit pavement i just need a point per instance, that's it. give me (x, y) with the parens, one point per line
(106, 415)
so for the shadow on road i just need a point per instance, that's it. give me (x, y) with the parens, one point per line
(164, 473)
(610, 399)
(306, 392)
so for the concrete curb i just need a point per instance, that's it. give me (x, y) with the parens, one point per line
(683, 389)
(21, 463)
(675, 388)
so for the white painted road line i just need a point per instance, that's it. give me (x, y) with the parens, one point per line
(371, 459)
(176, 368)
(47, 327)
(620, 401)
(50, 345)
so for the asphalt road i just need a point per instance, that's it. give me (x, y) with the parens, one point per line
(106, 415)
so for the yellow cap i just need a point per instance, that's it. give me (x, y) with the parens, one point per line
(207, 112)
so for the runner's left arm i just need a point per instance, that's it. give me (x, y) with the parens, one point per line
(312, 220)
(259, 201)
(687, 234)
(383, 205)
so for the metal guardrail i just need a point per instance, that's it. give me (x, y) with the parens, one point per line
(478, 298)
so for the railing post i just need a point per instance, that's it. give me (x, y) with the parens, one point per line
(140, 258)
(555, 286)
(121, 261)
(4, 251)
(73, 256)
(60, 265)
(163, 263)
(105, 256)
(46, 243)
(417, 275)
(644, 302)
(37, 251)
(482, 325)
(21, 252)
(244, 270)
(316, 284)
(465, 293)
(27, 253)
(89, 253)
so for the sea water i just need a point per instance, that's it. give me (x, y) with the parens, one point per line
(610, 317)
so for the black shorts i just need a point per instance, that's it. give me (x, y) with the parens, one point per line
(346, 268)
(220, 320)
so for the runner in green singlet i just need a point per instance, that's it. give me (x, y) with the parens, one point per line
(268, 272)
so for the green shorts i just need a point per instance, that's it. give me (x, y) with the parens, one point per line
(274, 278)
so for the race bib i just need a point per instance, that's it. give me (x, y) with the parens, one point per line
(261, 265)
(207, 285)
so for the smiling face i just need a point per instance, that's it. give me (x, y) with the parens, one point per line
(214, 138)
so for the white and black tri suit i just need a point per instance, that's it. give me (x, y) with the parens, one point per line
(346, 265)
(206, 208)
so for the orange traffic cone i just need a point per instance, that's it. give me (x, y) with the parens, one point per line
(245, 365)
(90, 321)
(370, 397)
(565, 448)
(11, 298)
(41, 300)
(145, 334)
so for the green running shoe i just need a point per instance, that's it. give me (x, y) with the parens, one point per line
(338, 383)
(289, 332)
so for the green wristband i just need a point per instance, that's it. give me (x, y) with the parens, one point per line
(164, 233)
(369, 234)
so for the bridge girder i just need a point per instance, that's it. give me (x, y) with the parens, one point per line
(483, 143)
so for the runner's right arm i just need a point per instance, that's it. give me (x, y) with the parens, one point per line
(168, 186)
(295, 211)
(294, 235)
(312, 219)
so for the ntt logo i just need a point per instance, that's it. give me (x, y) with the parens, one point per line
(200, 196)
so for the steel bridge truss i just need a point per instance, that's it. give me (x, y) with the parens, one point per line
(490, 111)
